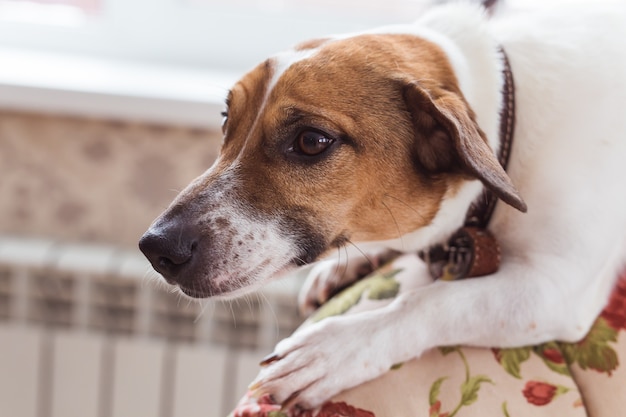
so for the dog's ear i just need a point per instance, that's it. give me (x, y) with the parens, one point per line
(447, 137)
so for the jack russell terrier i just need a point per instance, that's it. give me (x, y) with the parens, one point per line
(386, 140)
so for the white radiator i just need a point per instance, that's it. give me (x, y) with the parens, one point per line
(84, 334)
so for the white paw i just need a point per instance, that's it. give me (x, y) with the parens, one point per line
(319, 362)
(327, 277)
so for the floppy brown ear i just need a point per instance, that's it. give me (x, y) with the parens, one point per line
(447, 136)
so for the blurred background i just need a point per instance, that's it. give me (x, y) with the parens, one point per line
(107, 109)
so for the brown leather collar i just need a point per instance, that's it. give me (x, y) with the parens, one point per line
(472, 250)
(481, 210)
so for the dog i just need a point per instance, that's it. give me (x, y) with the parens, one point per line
(383, 140)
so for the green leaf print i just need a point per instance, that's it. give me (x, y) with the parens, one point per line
(379, 286)
(396, 366)
(594, 351)
(276, 414)
(384, 287)
(505, 411)
(435, 388)
(511, 359)
(446, 350)
(470, 388)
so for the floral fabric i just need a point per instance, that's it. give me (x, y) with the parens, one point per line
(552, 379)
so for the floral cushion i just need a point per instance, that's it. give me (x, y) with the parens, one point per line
(552, 379)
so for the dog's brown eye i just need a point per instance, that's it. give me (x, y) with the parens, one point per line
(224, 120)
(312, 143)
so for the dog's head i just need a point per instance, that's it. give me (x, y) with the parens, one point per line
(337, 141)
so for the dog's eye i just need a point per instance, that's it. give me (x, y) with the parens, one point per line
(312, 143)
(224, 120)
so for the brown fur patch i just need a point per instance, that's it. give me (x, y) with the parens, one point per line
(245, 100)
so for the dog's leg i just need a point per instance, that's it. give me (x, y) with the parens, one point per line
(522, 304)
(328, 277)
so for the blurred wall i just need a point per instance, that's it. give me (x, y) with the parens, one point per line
(102, 181)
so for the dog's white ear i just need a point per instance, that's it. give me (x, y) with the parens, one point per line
(447, 137)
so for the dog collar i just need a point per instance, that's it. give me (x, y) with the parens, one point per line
(473, 250)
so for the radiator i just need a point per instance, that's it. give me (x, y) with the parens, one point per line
(83, 333)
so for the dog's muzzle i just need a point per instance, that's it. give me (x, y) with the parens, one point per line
(218, 255)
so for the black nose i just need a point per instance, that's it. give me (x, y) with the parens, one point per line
(169, 248)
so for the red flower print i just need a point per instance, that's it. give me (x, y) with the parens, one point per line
(342, 409)
(266, 399)
(553, 355)
(435, 410)
(497, 354)
(539, 393)
(615, 311)
(251, 407)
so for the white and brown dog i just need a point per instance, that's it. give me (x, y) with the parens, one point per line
(387, 137)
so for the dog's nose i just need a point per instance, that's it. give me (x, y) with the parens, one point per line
(169, 249)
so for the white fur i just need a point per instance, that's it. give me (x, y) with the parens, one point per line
(283, 61)
(262, 241)
(560, 259)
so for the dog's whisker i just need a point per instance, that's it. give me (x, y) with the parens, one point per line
(191, 301)
(367, 258)
(338, 260)
(236, 301)
(413, 209)
(149, 276)
(394, 222)
(266, 303)
(346, 263)
(203, 307)
(147, 273)
(249, 302)
(232, 311)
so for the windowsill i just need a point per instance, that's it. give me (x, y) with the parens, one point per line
(94, 87)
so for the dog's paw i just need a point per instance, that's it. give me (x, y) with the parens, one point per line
(328, 277)
(317, 363)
